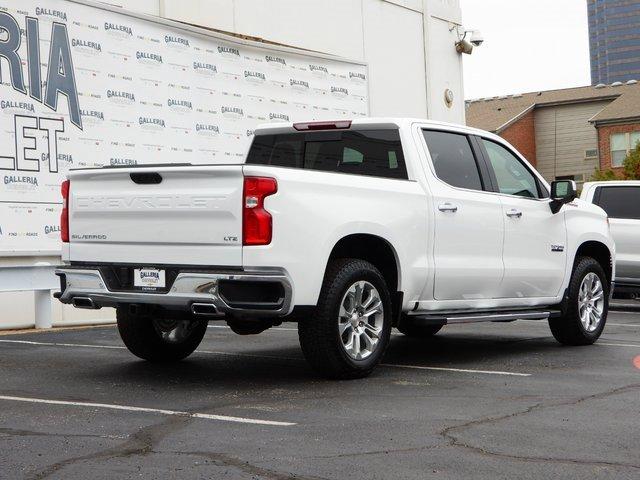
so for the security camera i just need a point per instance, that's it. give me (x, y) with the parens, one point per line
(476, 38)
(464, 46)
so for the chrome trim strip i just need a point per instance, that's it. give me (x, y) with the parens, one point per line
(188, 288)
(543, 315)
(450, 319)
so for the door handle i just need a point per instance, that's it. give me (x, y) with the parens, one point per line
(447, 207)
(513, 213)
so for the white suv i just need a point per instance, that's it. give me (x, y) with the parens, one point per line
(621, 201)
(348, 228)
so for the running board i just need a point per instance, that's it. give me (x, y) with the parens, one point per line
(453, 318)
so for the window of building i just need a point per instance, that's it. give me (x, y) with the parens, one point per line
(621, 145)
(591, 153)
(576, 178)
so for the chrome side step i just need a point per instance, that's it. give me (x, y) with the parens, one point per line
(454, 318)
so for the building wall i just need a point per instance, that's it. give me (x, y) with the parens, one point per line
(562, 134)
(614, 40)
(18, 311)
(522, 135)
(407, 43)
(604, 141)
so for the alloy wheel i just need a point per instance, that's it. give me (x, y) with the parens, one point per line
(360, 320)
(591, 302)
(174, 331)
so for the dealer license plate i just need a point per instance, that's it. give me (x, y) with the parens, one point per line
(148, 277)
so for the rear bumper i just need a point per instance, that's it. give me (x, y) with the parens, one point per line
(197, 292)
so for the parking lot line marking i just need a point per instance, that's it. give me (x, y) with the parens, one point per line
(55, 344)
(272, 328)
(285, 329)
(118, 347)
(624, 324)
(619, 344)
(276, 357)
(250, 355)
(109, 406)
(461, 370)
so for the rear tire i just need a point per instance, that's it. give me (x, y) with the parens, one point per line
(587, 308)
(417, 331)
(159, 339)
(349, 332)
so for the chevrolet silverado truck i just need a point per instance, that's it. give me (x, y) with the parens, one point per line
(348, 228)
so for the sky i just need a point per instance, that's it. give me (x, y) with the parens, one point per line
(530, 45)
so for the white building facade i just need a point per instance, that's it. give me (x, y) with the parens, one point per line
(406, 46)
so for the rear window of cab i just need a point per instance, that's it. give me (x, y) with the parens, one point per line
(376, 153)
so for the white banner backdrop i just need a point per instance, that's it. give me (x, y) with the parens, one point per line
(88, 87)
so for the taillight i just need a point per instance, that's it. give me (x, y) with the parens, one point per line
(256, 221)
(64, 216)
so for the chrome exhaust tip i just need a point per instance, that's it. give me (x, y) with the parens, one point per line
(205, 309)
(83, 302)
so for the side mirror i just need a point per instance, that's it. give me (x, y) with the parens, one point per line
(562, 191)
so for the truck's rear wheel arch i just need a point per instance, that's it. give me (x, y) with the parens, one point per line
(378, 252)
(374, 250)
(599, 252)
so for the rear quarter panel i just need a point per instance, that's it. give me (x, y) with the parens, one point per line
(313, 210)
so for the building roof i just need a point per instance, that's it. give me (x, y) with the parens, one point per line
(497, 113)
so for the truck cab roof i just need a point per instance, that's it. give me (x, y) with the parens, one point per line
(373, 122)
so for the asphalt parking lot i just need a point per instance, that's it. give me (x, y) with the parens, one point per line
(478, 401)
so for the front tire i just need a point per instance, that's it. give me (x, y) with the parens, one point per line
(157, 338)
(587, 308)
(350, 329)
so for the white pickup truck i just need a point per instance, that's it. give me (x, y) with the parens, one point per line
(621, 201)
(348, 228)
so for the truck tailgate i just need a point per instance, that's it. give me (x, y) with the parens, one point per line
(182, 215)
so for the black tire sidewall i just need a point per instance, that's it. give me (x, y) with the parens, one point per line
(372, 276)
(142, 339)
(585, 266)
(567, 328)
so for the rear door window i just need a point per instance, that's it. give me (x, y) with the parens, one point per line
(359, 152)
(453, 159)
(619, 202)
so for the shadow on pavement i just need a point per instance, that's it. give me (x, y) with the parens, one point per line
(285, 367)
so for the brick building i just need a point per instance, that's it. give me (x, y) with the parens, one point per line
(566, 133)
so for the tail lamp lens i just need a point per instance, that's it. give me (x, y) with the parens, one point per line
(64, 216)
(257, 224)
